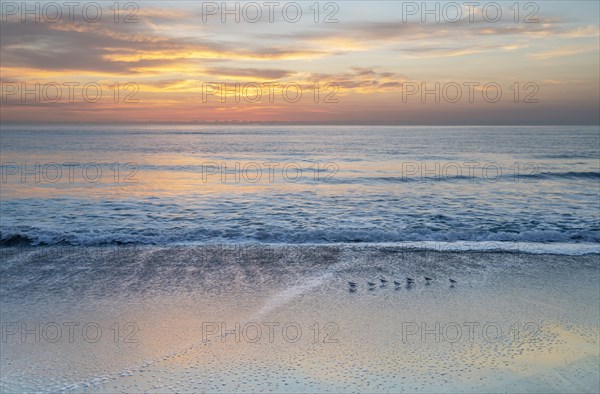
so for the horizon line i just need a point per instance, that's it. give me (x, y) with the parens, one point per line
(250, 123)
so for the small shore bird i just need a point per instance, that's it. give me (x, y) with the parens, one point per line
(427, 280)
(452, 282)
(397, 283)
(383, 281)
(352, 284)
(410, 281)
(371, 284)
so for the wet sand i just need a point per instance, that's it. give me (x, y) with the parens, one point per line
(282, 319)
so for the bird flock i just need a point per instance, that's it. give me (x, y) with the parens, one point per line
(410, 282)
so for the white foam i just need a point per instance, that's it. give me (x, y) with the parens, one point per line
(517, 247)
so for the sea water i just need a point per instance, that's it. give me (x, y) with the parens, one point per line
(173, 184)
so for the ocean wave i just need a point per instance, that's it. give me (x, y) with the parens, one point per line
(568, 174)
(573, 175)
(398, 178)
(425, 239)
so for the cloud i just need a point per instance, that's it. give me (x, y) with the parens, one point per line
(433, 39)
(102, 49)
(265, 74)
(563, 52)
(170, 53)
(361, 80)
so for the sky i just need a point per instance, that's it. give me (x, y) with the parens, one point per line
(352, 62)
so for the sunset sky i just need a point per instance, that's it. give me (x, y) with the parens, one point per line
(371, 55)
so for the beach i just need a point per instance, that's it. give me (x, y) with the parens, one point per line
(196, 259)
(281, 318)
(299, 197)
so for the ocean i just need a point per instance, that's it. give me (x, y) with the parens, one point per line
(532, 188)
(208, 259)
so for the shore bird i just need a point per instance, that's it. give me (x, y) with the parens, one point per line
(371, 284)
(452, 282)
(352, 284)
(427, 280)
(410, 281)
(397, 283)
(383, 280)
